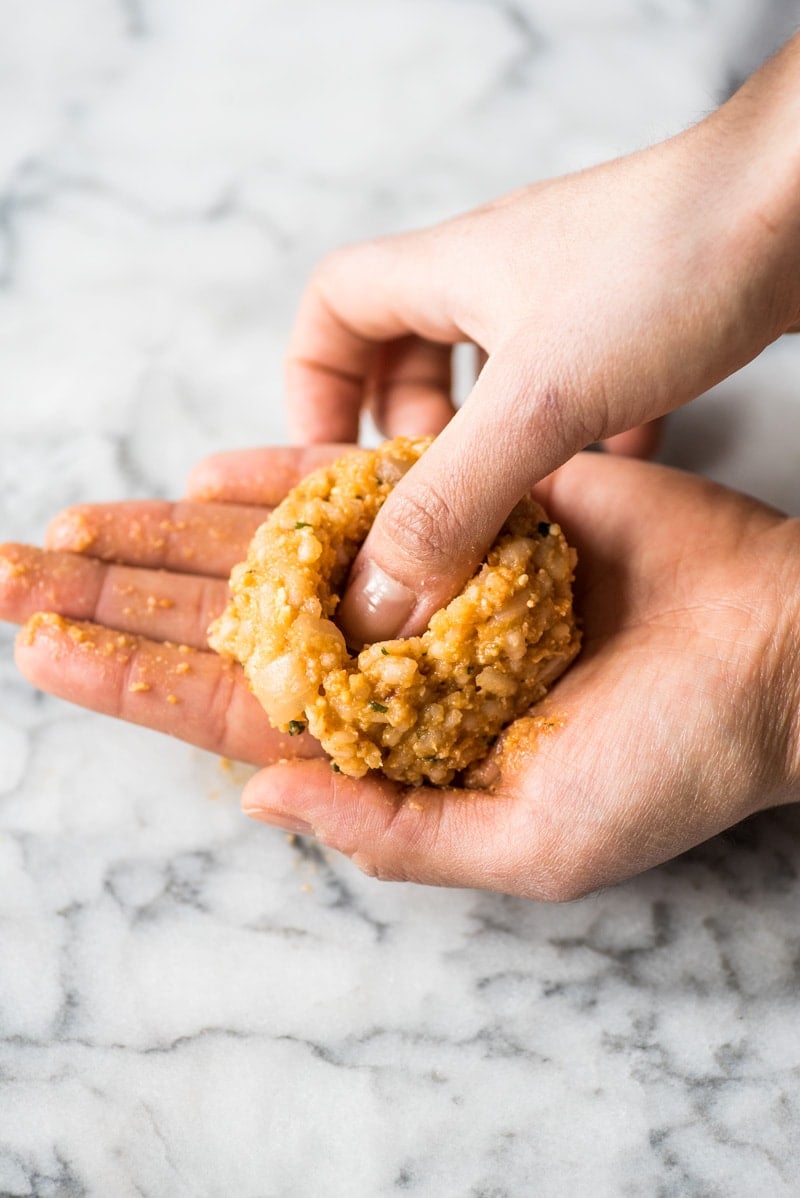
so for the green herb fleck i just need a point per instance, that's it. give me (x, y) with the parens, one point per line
(470, 669)
(335, 768)
(379, 481)
(376, 706)
(543, 529)
(385, 652)
(296, 727)
(303, 524)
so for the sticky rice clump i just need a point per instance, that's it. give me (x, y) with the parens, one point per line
(419, 709)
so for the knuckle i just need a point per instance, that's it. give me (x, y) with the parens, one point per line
(340, 262)
(572, 420)
(571, 872)
(328, 267)
(423, 524)
(563, 887)
(375, 866)
(124, 682)
(393, 855)
(561, 867)
(554, 402)
(104, 597)
(220, 704)
(205, 609)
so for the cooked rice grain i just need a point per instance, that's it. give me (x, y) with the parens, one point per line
(418, 709)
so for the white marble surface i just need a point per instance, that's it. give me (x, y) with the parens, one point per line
(190, 1004)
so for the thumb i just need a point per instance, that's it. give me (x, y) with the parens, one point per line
(435, 836)
(441, 518)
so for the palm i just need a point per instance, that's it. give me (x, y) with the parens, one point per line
(654, 740)
(663, 726)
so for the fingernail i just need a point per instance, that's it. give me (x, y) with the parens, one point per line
(375, 607)
(280, 819)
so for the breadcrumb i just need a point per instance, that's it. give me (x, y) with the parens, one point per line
(418, 709)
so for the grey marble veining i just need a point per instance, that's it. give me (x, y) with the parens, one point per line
(192, 1005)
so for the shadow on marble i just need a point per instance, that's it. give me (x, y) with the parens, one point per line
(759, 856)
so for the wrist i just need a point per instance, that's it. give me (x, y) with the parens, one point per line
(756, 143)
(782, 685)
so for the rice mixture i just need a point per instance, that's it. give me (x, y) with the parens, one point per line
(418, 709)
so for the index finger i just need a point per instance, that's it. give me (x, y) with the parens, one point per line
(257, 476)
(197, 696)
(359, 298)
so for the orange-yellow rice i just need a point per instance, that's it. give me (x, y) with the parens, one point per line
(418, 709)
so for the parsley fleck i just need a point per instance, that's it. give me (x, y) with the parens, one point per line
(376, 706)
(303, 524)
(543, 529)
(385, 652)
(379, 481)
(296, 727)
(335, 768)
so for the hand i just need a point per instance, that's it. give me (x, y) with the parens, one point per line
(602, 300)
(678, 719)
(133, 588)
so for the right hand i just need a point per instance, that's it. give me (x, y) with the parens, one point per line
(602, 300)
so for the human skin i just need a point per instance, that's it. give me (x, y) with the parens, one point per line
(601, 301)
(679, 718)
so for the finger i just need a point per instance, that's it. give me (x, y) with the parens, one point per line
(327, 370)
(257, 476)
(412, 393)
(437, 837)
(187, 537)
(200, 697)
(359, 298)
(439, 521)
(156, 603)
(641, 442)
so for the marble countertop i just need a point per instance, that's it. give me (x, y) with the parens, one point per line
(194, 1005)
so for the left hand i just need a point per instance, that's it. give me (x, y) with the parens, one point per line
(136, 586)
(678, 719)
